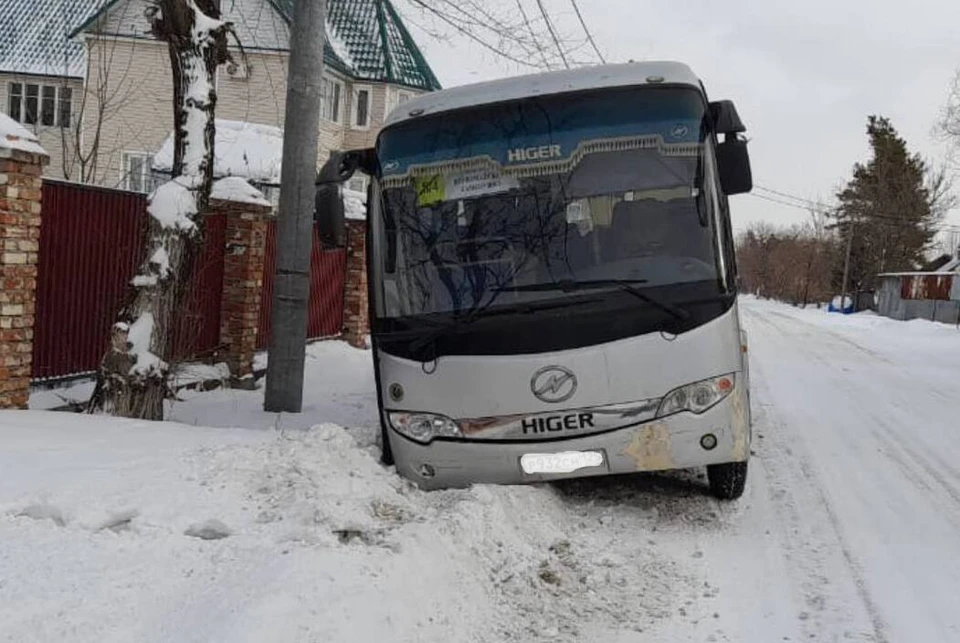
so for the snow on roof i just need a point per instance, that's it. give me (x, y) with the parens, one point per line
(236, 189)
(34, 36)
(555, 82)
(369, 40)
(247, 150)
(14, 136)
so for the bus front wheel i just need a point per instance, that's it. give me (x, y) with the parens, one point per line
(727, 480)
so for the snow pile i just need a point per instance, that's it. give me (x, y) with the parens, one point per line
(13, 136)
(190, 533)
(354, 204)
(173, 206)
(236, 189)
(247, 150)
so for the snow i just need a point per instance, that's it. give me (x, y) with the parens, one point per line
(173, 206)
(14, 136)
(847, 530)
(247, 150)
(354, 204)
(234, 188)
(339, 48)
(160, 259)
(140, 335)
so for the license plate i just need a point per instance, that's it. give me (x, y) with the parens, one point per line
(566, 462)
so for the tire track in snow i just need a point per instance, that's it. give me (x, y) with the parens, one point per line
(795, 457)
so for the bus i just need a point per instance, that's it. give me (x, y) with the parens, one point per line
(552, 279)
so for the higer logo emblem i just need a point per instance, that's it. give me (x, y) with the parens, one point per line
(553, 384)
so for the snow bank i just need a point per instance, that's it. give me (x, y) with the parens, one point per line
(315, 541)
(354, 204)
(235, 188)
(14, 136)
(247, 150)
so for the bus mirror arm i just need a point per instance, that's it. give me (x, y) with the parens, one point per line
(342, 165)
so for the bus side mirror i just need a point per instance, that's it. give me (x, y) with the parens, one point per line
(725, 118)
(733, 163)
(329, 216)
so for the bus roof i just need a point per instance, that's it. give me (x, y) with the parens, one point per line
(544, 84)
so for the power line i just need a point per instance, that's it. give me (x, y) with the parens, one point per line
(786, 195)
(533, 35)
(879, 219)
(553, 34)
(466, 32)
(583, 24)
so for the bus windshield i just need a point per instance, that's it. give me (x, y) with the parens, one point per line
(529, 202)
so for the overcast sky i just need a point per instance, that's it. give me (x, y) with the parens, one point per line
(804, 75)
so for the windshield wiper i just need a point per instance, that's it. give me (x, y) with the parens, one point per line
(626, 285)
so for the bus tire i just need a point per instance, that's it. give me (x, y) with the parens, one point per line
(386, 452)
(727, 480)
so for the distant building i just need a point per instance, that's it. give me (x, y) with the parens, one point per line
(933, 295)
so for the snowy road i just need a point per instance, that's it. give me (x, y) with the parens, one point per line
(849, 529)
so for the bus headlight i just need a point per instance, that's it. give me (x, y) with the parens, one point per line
(697, 397)
(424, 427)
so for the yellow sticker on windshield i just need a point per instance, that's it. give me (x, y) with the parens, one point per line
(430, 189)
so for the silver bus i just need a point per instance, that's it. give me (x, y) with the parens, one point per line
(552, 280)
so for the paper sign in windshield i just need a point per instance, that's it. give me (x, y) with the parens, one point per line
(461, 185)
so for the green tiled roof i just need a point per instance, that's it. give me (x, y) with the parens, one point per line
(368, 40)
(34, 36)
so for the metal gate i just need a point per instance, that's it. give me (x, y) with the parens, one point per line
(91, 242)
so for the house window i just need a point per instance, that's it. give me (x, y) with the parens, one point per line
(32, 102)
(361, 107)
(15, 99)
(66, 106)
(136, 171)
(331, 95)
(48, 105)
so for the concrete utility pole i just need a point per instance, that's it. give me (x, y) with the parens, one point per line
(291, 289)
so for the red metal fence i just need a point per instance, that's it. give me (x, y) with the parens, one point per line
(926, 287)
(91, 243)
(327, 275)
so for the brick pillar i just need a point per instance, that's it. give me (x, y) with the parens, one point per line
(246, 235)
(356, 322)
(21, 164)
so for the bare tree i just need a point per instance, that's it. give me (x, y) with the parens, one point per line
(132, 380)
(523, 32)
(948, 127)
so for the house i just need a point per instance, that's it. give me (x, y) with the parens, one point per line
(41, 73)
(123, 75)
(922, 295)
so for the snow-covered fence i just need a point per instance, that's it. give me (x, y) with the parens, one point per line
(21, 164)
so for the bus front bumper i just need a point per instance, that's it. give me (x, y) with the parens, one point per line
(673, 442)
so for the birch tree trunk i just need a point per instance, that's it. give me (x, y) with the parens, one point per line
(132, 381)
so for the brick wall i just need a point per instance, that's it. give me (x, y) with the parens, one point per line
(20, 192)
(356, 322)
(243, 267)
